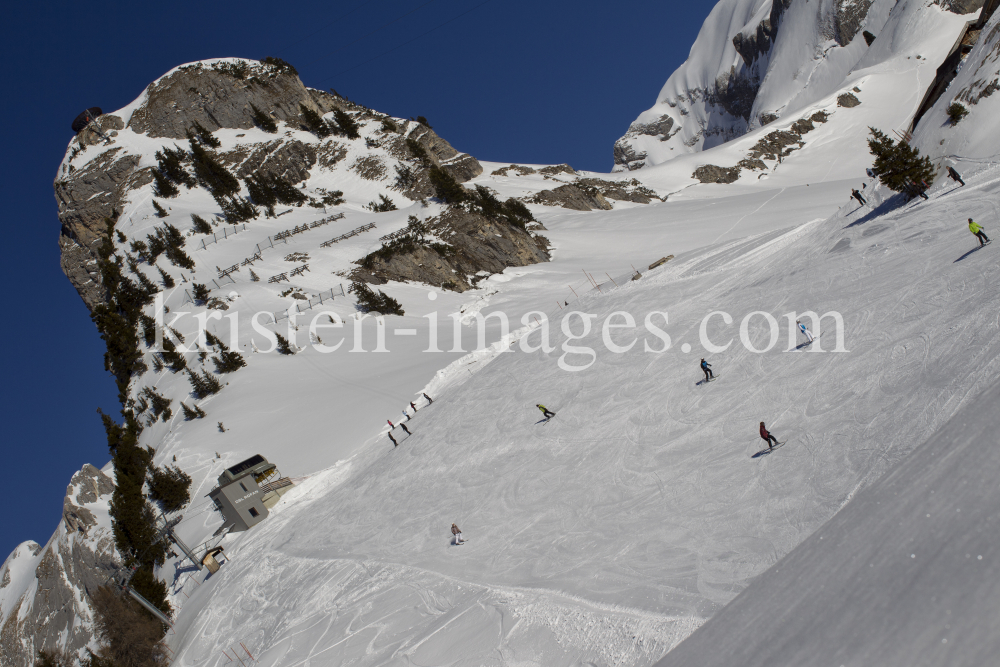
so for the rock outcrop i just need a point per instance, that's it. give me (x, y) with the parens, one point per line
(44, 591)
(471, 247)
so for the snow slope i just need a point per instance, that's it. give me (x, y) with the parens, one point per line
(906, 574)
(606, 535)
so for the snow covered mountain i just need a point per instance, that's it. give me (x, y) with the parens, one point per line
(611, 533)
(757, 62)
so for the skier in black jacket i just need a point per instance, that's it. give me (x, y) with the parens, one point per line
(857, 195)
(705, 366)
(955, 176)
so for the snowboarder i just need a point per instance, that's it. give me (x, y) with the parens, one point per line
(955, 176)
(766, 436)
(413, 406)
(391, 425)
(705, 366)
(403, 426)
(457, 532)
(978, 231)
(545, 411)
(394, 443)
(406, 416)
(805, 332)
(870, 172)
(857, 195)
(429, 399)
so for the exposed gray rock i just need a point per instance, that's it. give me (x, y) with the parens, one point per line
(847, 100)
(848, 19)
(521, 170)
(75, 562)
(473, 244)
(710, 173)
(284, 158)
(627, 156)
(557, 169)
(217, 98)
(86, 197)
(961, 6)
(573, 197)
(632, 190)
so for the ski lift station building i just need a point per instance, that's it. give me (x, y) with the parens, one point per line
(243, 493)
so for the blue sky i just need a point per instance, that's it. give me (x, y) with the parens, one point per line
(512, 80)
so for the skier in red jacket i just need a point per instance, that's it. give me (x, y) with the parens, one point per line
(767, 437)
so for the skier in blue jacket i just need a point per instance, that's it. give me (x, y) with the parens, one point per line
(705, 366)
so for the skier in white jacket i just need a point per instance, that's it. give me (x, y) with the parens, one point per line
(805, 332)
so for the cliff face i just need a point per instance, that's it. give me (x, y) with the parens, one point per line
(100, 175)
(44, 589)
(754, 62)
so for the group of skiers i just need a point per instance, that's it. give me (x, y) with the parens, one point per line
(920, 188)
(406, 418)
(914, 188)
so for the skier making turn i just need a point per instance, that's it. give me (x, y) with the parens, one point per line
(705, 366)
(457, 532)
(978, 231)
(766, 436)
(805, 332)
(545, 411)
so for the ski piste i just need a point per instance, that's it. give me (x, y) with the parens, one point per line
(768, 450)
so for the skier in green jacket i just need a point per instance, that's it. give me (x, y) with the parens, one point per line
(978, 231)
(545, 411)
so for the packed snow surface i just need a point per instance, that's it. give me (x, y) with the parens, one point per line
(607, 534)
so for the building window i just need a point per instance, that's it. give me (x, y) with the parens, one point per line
(243, 487)
(254, 513)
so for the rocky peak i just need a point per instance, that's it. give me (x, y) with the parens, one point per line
(102, 169)
(44, 591)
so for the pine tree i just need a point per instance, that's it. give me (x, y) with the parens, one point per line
(200, 224)
(956, 112)
(171, 165)
(204, 384)
(206, 136)
(347, 126)
(171, 357)
(264, 121)
(372, 301)
(228, 361)
(254, 278)
(417, 150)
(191, 413)
(382, 206)
(170, 487)
(283, 346)
(259, 189)
(211, 174)
(898, 165)
(423, 121)
(160, 211)
(168, 280)
(200, 292)
(314, 122)
(446, 187)
(159, 404)
(163, 187)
